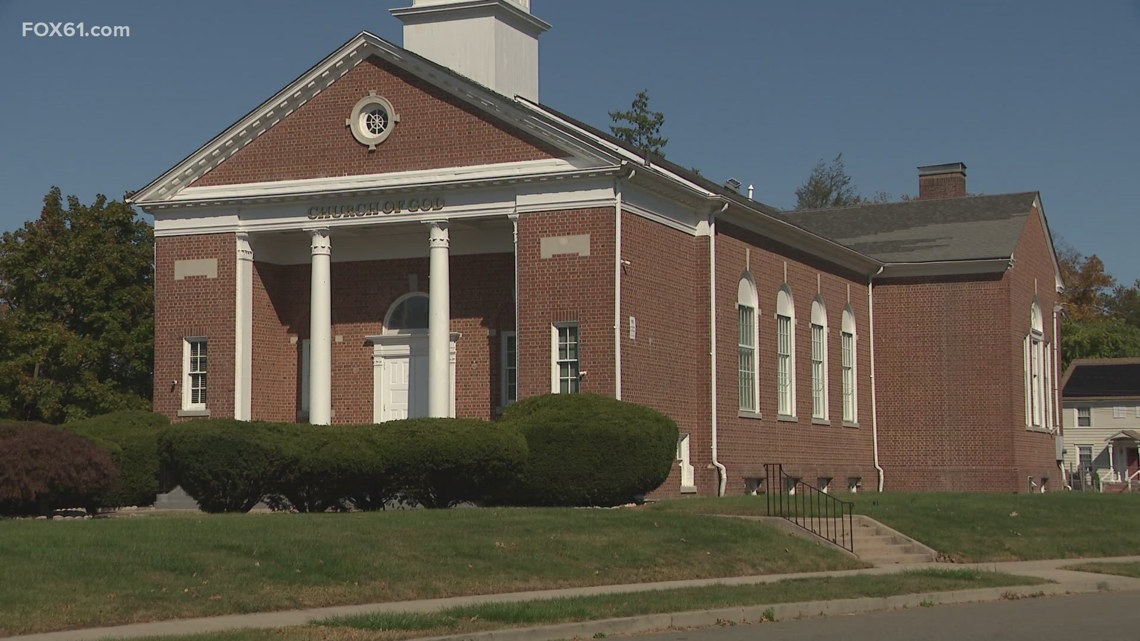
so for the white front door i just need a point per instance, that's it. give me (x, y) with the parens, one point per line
(400, 384)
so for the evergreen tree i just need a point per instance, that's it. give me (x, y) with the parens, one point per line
(642, 127)
(828, 186)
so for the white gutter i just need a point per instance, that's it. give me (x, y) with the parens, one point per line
(722, 472)
(617, 282)
(515, 235)
(874, 393)
(948, 267)
(617, 286)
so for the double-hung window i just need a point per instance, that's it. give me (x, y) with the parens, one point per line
(194, 374)
(818, 361)
(746, 345)
(785, 354)
(747, 349)
(510, 375)
(565, 373)
(1084, 457)
(1084, 417)
(847, 340)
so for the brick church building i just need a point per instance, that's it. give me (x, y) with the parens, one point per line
(408, 231)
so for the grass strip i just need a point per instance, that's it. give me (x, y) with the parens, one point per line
(606, 606)
(1129, 569)
(396, 626)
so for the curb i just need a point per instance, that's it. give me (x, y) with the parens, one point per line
(760, 613)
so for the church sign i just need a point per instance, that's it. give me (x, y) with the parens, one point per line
(376, 208)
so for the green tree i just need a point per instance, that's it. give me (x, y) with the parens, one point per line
(1104, 337)
(76, 312)
(1124, 303)
(639, 126)
(829, 185)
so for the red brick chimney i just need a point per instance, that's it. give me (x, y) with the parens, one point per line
(942, 181)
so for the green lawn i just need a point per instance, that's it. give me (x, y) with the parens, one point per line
(984, 527)
(85, 573)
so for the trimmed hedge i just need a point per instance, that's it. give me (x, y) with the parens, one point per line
(589, 450)
(225, 464)
(43, 467)
(229, 466)
(441, 462)
(330, 468)
(131, 436)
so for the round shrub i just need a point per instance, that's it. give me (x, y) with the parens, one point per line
(43, 468)
(587, 450)
(441, 462)
(132, 438)
(225, 464)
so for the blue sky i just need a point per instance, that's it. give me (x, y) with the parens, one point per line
(1041, 95)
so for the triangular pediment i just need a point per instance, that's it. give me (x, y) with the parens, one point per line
(304, 132)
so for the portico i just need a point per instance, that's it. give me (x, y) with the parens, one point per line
(367, 310)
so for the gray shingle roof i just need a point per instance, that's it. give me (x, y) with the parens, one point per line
(1102, 378)
(971, 228)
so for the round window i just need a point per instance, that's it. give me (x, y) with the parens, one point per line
(376, 121)
(372, 120)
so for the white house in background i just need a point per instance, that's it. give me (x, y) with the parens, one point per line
(1101, 400)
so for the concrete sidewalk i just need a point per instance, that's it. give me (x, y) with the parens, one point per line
(1066, 582)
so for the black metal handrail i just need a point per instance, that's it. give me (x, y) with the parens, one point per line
(809, 507)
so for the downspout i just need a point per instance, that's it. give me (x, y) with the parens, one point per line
(874, 392)
(515, 236)
(722, 472)
(1055, 394)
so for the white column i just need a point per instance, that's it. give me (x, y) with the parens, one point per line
(320, 329)
(243, 331)
(439, 322)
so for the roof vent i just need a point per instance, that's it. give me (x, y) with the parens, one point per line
(733, 184)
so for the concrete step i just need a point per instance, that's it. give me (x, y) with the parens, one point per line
(877, 547)
(897, 559)
(879, 544)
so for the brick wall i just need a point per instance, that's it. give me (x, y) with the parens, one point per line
(806, 449)
(951, 377)
(1034, 452)
(566, 288)
(666, 366)
(435, 130)
(194, 306)
(943, 389)
(280, 292)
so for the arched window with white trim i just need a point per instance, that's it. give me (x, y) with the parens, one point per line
(1037, 379)
(785, 353)
(408, 314)
(747, 304)
(819, 390)
(849, 367)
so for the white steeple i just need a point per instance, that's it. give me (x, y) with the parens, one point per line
(493, 42)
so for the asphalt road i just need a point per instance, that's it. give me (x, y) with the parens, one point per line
(1104, 615)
